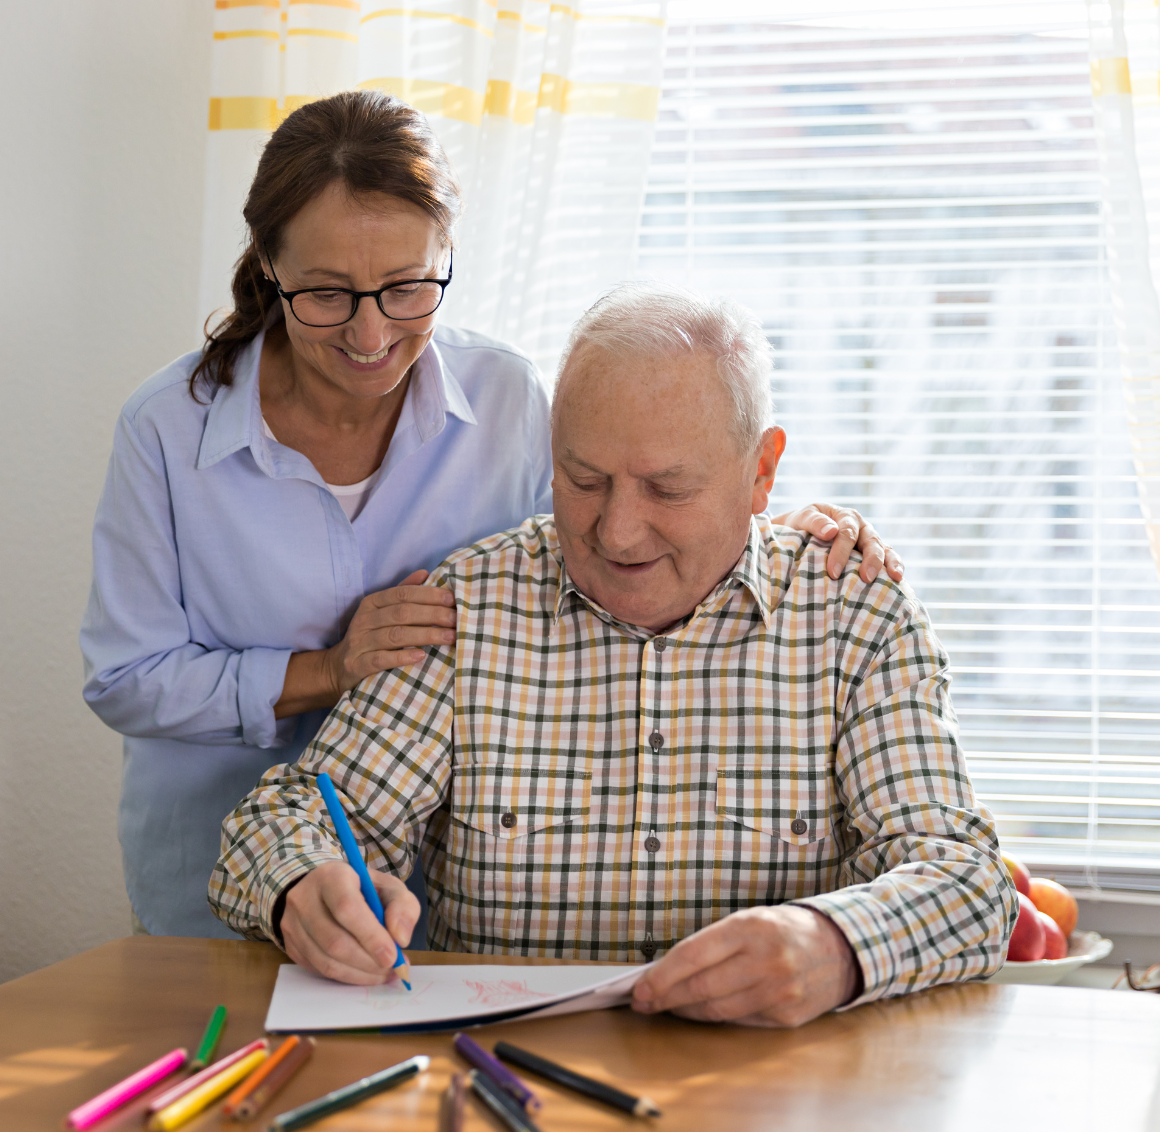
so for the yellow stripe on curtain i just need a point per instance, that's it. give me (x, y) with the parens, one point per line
(567, 10)
(1111, 76)
(325, 33)
(246, 33)
(424, 14)
(595, 100)
(515, 17)
(244, 114)
(444, 99)
(599, 100)
(505, 100)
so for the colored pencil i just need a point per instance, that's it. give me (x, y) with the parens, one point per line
(500, 1103)
(210, 1039)
(165, 1099)
(206, 1093)
(354, 859)
(253, 1095)
(349, 1095)
(475, 1054)
(451, 1109)
(557, 1074)
(124, 1091)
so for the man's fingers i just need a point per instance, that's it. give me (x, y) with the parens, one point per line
(401, 906)
(732, 979)
(306, 952)
(710, 946)
(351, 912)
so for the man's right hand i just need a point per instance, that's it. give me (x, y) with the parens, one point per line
(329, 929)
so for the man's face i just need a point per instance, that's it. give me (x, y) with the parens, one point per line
(652, 495)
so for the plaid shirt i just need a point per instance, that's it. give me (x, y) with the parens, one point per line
(580, 788)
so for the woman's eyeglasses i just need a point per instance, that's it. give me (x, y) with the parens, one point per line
(332, 306)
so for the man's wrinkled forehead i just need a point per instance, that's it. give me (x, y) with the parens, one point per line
(641, 465)
(621, 376)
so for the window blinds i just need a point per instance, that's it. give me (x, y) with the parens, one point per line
(909, 199)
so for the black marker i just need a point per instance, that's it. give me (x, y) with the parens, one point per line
(597, 1090)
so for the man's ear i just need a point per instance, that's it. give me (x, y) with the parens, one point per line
(772, 446)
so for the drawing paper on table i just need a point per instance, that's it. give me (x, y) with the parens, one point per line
(445, 996)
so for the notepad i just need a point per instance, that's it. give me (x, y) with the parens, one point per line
(445, 997)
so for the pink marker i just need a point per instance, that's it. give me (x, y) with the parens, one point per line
(123, 1092)
(182, 1087)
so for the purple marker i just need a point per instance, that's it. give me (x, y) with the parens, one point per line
(482, 1060)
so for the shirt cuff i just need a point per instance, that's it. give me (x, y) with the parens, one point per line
(868, 929)
(261, 677)
(281, 876)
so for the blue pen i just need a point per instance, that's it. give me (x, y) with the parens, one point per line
(354, 858)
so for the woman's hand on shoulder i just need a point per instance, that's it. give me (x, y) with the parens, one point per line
(849, 531)
(390, 629)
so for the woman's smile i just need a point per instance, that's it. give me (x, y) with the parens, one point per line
(366, 363)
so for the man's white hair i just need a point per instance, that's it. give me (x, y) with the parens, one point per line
(652, 318)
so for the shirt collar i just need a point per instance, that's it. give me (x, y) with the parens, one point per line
(234, 420)
(752, 572)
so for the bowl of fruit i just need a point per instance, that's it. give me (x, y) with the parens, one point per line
(1045, 946)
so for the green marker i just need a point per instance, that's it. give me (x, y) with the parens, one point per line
(210, 1039)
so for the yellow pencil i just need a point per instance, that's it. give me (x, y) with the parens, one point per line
(204, 1095)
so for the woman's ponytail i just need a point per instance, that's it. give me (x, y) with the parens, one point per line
(253, 296)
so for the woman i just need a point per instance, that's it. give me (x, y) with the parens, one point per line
(274, 501)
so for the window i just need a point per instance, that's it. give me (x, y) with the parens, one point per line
(910, 201)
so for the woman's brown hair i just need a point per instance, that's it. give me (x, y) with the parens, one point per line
(370, 142)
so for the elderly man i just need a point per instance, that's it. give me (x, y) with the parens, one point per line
(663, 730)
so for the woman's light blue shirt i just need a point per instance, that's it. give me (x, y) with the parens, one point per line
(218, 552)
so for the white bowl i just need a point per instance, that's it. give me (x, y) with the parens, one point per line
(1082, 947)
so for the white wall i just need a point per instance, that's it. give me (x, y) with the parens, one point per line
(101, 185)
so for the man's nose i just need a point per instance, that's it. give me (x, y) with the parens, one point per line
(622, 527)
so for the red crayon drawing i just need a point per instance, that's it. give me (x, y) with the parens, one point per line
(501, 992)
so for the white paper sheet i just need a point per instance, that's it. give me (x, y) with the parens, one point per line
(445, 997)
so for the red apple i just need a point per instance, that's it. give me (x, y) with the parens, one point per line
(1020, 873)
(1056, 941)
(1028, 940)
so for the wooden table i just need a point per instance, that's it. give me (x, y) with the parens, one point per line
(979, 1058)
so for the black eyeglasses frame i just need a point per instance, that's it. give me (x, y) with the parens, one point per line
(358, 296)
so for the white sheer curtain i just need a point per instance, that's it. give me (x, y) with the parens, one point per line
(546, 111)
(1125, 58)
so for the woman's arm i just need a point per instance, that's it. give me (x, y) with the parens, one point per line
(144, 675)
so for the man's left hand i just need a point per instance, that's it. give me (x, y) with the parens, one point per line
(761, 967)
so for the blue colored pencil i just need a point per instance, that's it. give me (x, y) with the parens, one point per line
(354, 858)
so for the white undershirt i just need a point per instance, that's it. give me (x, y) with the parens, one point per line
(350, 496)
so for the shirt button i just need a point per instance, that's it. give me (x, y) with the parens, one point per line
(508, 820)
(656, 740)
(649, 948)
(797, 826)
(660, 644)
(652, 844)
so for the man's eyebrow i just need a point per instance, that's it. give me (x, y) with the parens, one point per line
(675, 472)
